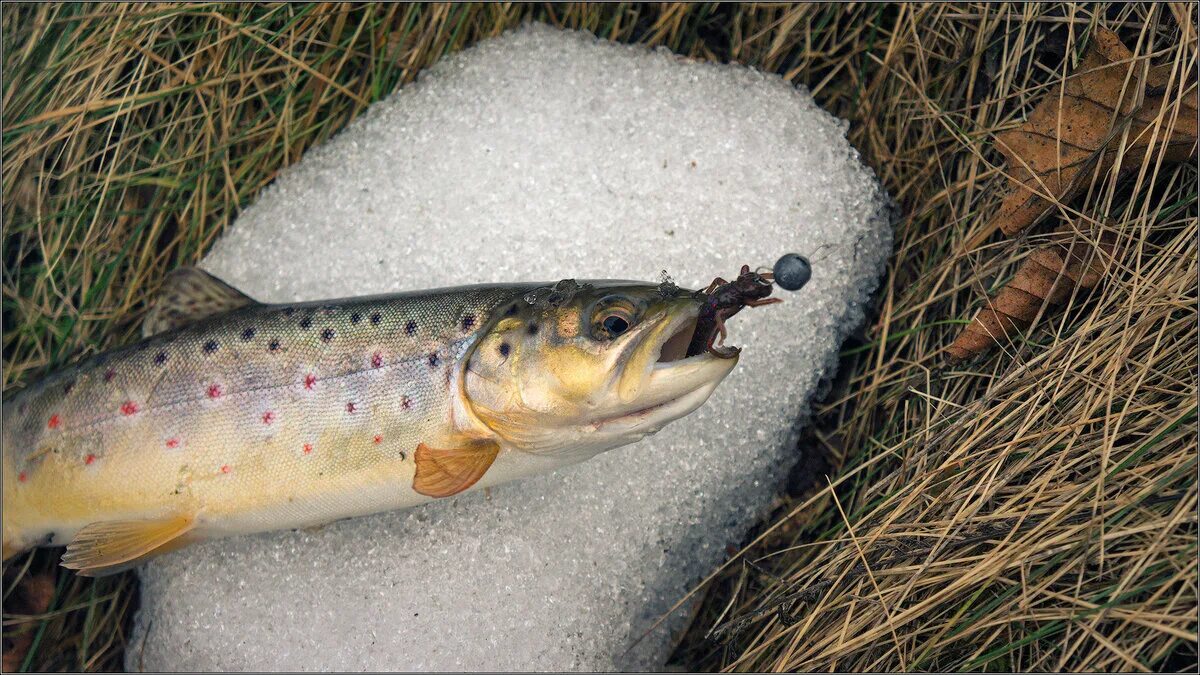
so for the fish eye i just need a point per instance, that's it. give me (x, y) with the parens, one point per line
(612, 318)
(615, 325)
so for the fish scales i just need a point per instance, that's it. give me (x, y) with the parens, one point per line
(325, 390)
(243, 417)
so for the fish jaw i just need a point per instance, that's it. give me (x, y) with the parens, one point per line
(675, 390)
(671, 391)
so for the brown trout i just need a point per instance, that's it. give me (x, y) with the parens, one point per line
(232, 416)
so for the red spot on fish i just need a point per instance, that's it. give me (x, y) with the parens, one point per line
(308, 448)
(22, 477)
(172, 442)
(405, 402)
(350, 407)
(109, 375)
(214, 390)
(54, 422)
(378, 440)
(225, 468)
(376, 360)
(129, 408)
(309, 381)
(90, 459)
(268, 417)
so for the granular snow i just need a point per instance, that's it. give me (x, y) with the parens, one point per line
(541, 154)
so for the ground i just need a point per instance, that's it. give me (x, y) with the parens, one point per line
(1031, 509)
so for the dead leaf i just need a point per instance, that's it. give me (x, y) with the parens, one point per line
(1047, 277)
(32, 597)
(1083, 123)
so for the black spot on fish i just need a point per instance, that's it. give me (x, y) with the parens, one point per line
(68, 387)
(306, 322)
(433, 360)
(468, 321)
(210, 346)
(355, 318)
(288, 311)
(410, 327)
(160, 358)
(403, 456)
(327, 334)
(532, 329)
(248, 334)
(274, 345)
(504, 349)
(375, 318)
(512, 309)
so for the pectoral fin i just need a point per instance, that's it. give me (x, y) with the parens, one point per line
(190, 294)
(442, 472)
(109, 547)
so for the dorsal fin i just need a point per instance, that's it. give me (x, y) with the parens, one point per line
(188, 295)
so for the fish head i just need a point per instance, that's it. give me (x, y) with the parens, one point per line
(577, 371)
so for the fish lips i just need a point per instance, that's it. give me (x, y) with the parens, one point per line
(661, 381)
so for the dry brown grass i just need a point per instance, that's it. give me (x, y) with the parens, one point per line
(1035, 510)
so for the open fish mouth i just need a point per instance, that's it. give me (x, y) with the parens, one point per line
(695, 337)
(680, 377)
(720, 301)
(668, 378)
